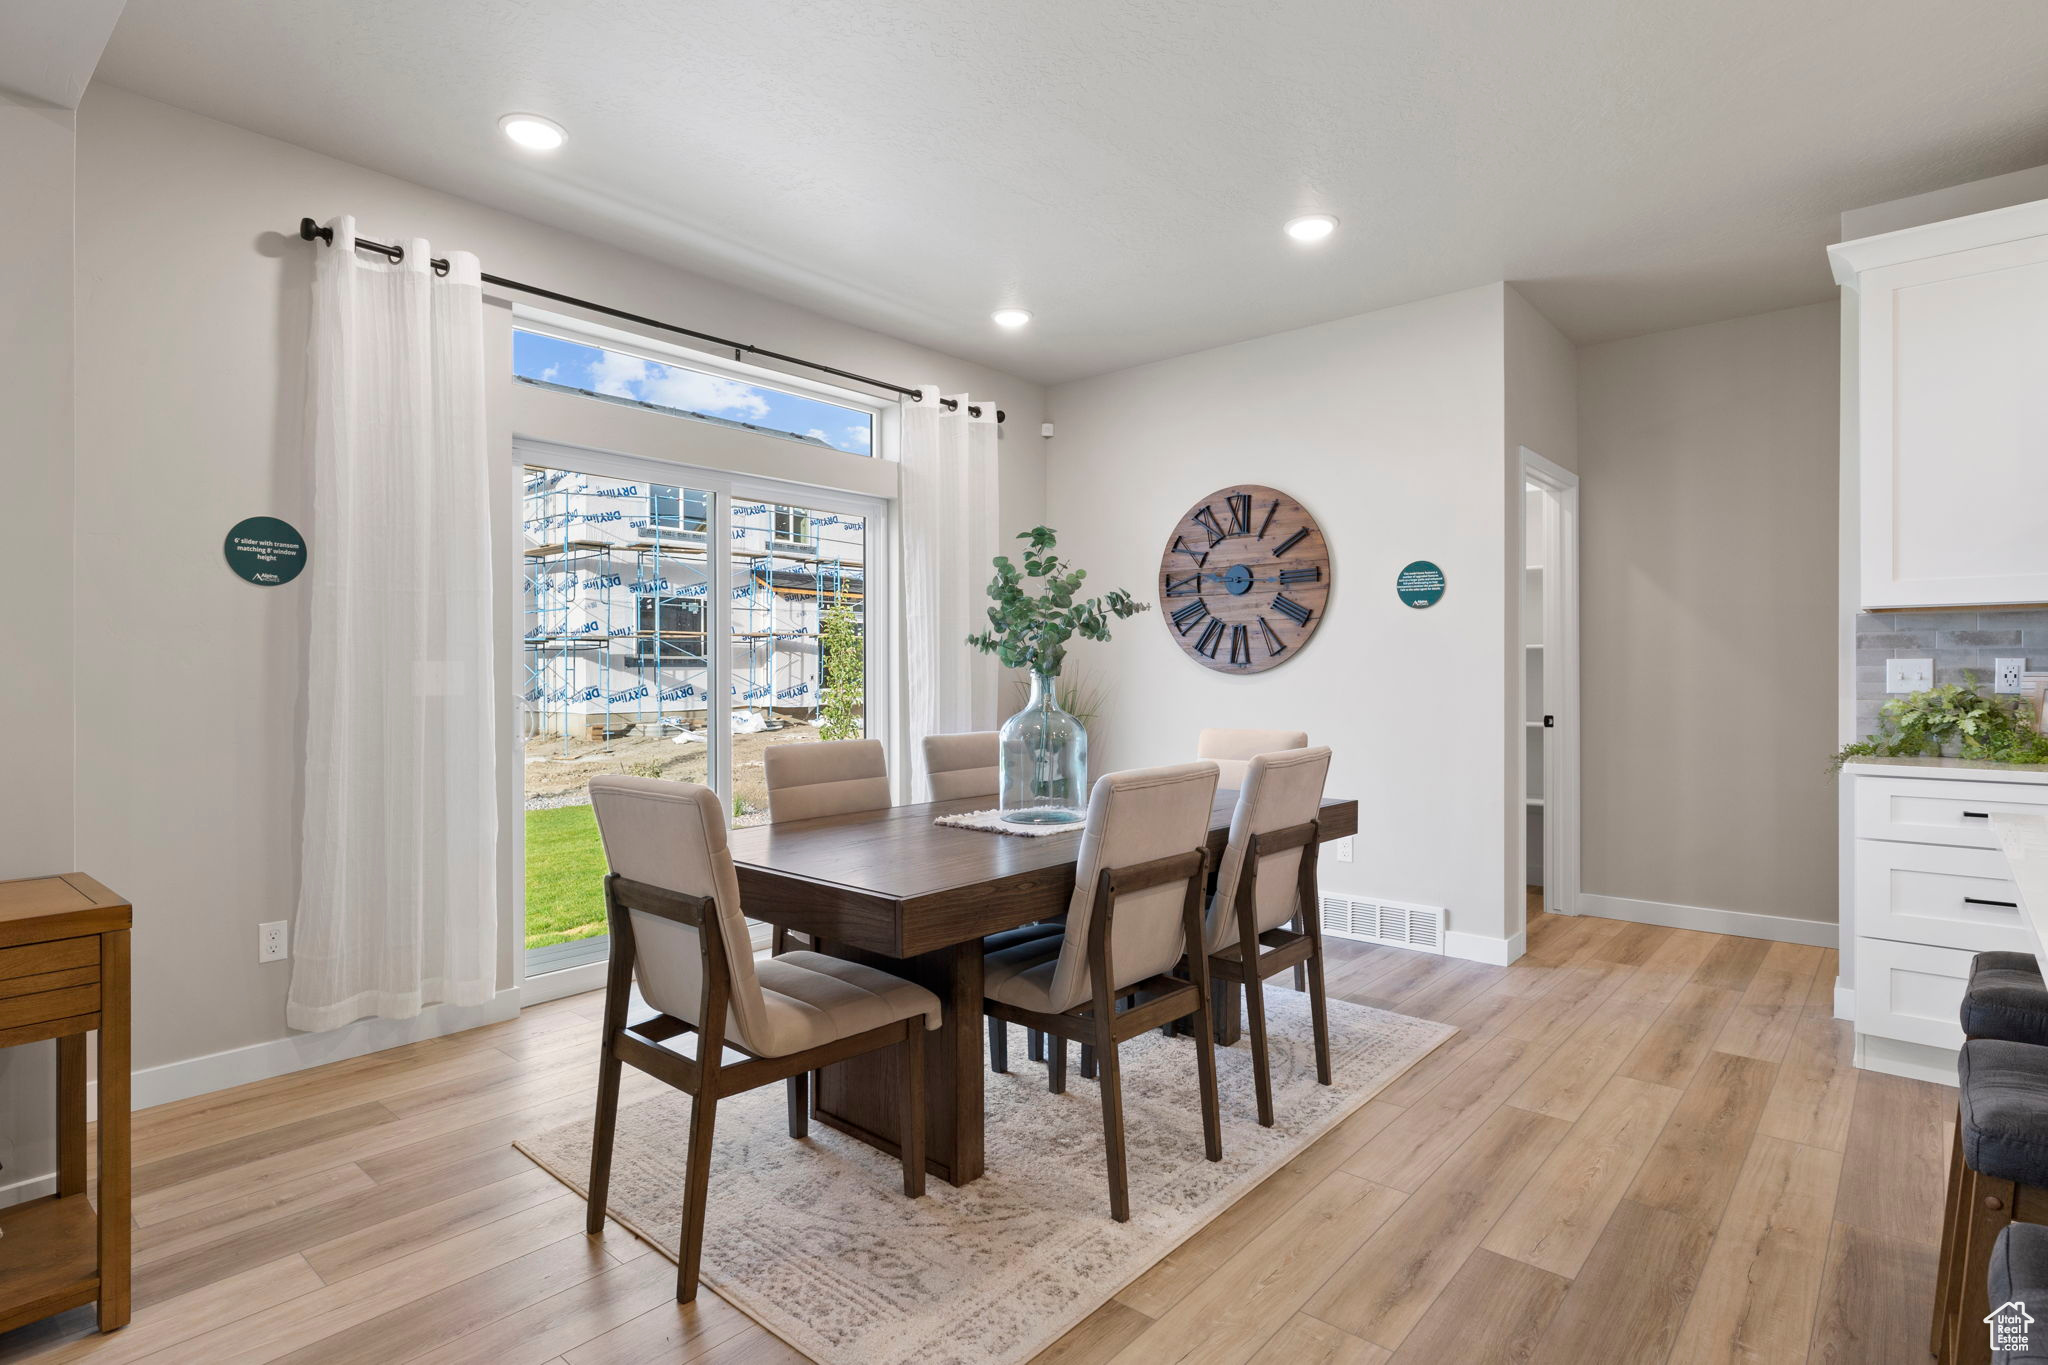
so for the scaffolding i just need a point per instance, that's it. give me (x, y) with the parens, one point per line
(617, 631)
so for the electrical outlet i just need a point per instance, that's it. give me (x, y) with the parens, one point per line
(2007, 673)
(272, 941)
(1908, 675)
(1344, 849)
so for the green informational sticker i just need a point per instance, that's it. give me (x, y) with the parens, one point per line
(1421, 584)
(266, 551)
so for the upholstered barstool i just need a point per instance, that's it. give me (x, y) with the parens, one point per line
(2003, 1169)
(2006, 1000)
(2019, 1275)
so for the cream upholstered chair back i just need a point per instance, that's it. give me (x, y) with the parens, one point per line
(1230, 750)
(672, 835)
(1281, 789)
(836, 777)
(1134, 817)
(960, 766)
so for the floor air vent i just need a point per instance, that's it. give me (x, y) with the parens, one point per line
(1420, 927)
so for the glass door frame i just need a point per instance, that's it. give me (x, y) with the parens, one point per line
(880, 710)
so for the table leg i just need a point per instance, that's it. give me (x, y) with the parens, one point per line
(858, 1097)
(115, 1173)
(71, 1176)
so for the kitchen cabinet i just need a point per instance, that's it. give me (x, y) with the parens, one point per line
(1950, 409)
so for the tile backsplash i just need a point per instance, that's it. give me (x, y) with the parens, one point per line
(1958, 642)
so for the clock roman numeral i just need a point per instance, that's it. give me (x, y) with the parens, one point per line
(1189, 616)
(1181, 545)
(1267, 520)
(1206, 519)
(1191, 586)
(1212, 636)
(1240, 646)
(1312, 574)
(1284, 546)
(1240, 514)
(1292, 609)
(1273, 645)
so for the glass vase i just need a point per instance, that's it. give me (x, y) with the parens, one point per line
(1044, 762)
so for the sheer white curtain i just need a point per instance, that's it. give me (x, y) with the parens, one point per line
(949, 536)
(398, 896)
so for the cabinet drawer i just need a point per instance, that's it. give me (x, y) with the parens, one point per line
(58, 955)
(1950, 897)
(1911, 992)
(1931, 811)
(42, 1007)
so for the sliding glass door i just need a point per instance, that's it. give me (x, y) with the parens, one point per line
(675, 624)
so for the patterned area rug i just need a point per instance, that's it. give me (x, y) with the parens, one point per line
(816, 1242)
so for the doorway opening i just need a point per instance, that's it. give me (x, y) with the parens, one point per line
(1549, 538)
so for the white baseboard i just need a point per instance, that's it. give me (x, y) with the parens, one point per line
(1845, 1002)
(27, 1188)
(1818, 933)
(1480, 948)
(301, 1051)
(1915, 1061)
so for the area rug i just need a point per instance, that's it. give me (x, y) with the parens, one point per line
(815, 1241)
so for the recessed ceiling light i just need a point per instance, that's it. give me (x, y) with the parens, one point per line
(1010, 317)
(533, 132)
(1312, 228)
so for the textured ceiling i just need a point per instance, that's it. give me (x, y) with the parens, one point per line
(48, 47)
(1121, 167)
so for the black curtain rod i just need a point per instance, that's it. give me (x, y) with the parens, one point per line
(311, 231)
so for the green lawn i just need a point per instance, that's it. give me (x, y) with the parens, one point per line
(564, 876)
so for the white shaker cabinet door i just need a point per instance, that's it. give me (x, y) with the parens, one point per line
(1952, 411)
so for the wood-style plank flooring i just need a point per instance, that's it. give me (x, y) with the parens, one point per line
(1646, 1146)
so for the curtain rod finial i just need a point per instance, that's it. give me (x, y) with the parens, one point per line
(310, 230)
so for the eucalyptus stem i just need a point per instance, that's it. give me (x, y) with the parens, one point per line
(1029, 629)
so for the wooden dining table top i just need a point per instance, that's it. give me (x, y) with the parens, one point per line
(890, 881)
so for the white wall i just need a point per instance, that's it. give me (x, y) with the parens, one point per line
(1708, 574)
(1389, 429)
(35, 629)
(191, 327)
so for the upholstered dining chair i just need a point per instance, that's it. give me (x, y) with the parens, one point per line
(832, 777)
(1265, 883)
(1231, 750)
(1111, 975)
(672, 901)
(959, 766)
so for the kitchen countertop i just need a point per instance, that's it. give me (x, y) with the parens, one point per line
(1970, 769)
(2025, 841)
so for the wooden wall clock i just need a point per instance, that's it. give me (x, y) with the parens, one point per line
(1244, 579)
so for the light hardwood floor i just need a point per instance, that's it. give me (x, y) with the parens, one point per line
(1647, 1145)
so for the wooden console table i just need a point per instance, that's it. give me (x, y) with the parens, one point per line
(64, 973)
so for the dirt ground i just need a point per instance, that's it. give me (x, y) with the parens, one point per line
(558, 769)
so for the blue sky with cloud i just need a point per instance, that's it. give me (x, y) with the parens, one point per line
(581, 366)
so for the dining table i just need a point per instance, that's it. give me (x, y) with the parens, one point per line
(892, 889)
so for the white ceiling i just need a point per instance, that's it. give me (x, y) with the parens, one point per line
(1122, 167)
(48, 48)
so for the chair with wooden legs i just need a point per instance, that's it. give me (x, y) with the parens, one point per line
(1233, 750)
(1111, 975)
(959, 766)
(1265, 883)
(832, 777)
(673, 906)
(2003, 1166)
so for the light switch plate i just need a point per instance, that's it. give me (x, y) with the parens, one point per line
(1908, 675)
